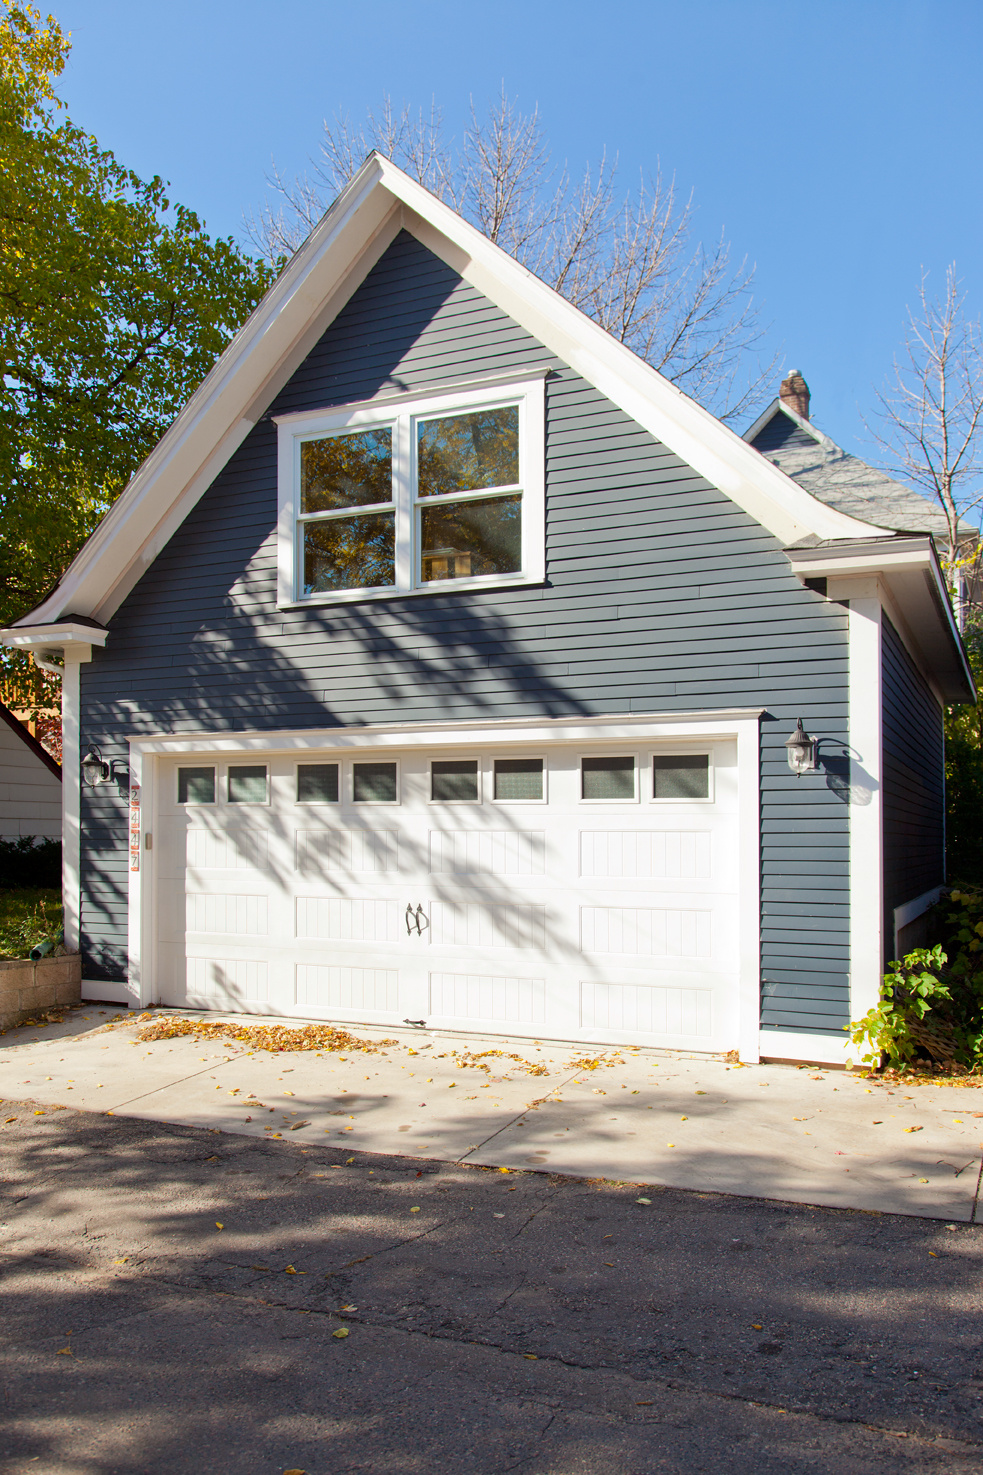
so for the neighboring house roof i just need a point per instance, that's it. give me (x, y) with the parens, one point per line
(29, 740)
(840, 480)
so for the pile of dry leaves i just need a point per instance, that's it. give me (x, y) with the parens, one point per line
(274, 1037)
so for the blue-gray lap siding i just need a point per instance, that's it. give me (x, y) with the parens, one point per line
(660, 596)
(913, 768)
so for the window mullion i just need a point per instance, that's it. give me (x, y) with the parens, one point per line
(403, 479)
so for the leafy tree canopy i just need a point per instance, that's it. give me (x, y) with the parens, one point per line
(114, 304)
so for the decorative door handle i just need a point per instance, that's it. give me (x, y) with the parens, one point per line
(416, 919)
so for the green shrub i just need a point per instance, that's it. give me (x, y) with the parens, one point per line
(28, 861)
(931, 1005)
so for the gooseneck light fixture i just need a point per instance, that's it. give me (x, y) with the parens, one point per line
(801, 750)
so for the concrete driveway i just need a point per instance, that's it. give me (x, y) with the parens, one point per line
(800, 1135)
(176, 1300)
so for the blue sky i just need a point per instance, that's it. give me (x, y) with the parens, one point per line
(836, 144)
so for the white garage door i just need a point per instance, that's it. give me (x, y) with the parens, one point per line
(575, 893)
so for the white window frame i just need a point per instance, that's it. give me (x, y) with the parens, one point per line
(636, 773)
(681, 752)
(194, 803)
(354, 803)
(490, 779)
(401, 413)
(456, 758)
(245, 803)
(320, 763)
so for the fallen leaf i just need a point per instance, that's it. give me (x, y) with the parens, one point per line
(342, 1331)
(756, 1327)
(933, 1254)
(349, 1308)
(289, 1270)
(64, 1352)
(923, 1180)
(415, 1210)
(684, 1118)
(498, 1216)
(912, 1129)
(956, 1122)
(9, 1120)
(700, 1093)
(289, 1093)
(670, 1144)
(259, 1267)
(608, 1263)
(530, 1356)
(297, 1126)
(295, 1472)
(39, 1113)
(643, 1200)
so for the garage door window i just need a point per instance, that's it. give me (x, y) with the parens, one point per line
(247, 784)
(607, 778)
(317, 783)
(681, 776)
(374, 783)
(519, 780)
(454, 781)
(196, 786)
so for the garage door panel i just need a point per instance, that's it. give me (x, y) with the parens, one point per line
(473, 853)
(334, 986)
(238, 848)
(492, 998)
(657, 932)
(349, 919)
(488, 924)
(227, 913)
(347, 851)
(647, 1008)
(682, 855)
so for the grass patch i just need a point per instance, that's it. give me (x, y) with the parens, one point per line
(27, 917)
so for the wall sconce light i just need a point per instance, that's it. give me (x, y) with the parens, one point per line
(801, 750)
(96, 771)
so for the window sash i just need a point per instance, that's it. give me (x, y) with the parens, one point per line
(406, 504)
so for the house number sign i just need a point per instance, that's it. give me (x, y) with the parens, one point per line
(134, 826)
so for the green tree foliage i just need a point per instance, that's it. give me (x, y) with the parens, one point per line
(964, 770)
(114, 304)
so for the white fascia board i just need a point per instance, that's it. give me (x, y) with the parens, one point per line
(270, 346)
(297, 309)
(31, 637)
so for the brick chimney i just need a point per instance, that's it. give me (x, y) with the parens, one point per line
(794, 392)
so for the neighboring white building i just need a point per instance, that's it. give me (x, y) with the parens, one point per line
(30, 784)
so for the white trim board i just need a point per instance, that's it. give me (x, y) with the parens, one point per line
(321, 277)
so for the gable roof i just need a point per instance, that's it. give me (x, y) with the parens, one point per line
(29, 740)
(839, 480)
(323, 274)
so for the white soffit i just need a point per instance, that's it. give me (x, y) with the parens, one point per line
(297, 310)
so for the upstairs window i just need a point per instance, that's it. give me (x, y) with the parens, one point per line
(413, 495)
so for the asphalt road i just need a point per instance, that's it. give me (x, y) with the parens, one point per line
(496, 1321)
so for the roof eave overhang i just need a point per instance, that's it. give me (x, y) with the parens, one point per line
(297, 310)
(910, 570)
(55, 642)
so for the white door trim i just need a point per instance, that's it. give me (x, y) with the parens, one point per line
(741, 725)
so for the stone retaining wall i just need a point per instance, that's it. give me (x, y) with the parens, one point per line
(27, 989)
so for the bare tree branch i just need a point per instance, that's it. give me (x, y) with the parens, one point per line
(627, 260)
(931, 416)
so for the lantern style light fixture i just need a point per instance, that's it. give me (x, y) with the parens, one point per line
(95, 769)
(801, 750)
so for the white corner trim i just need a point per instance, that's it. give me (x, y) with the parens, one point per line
(865, 789)
(71, 791)
(299, 306)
